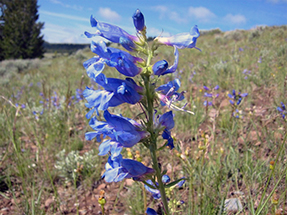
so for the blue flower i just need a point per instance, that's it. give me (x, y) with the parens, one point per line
(154, 192)
(150, 211)
(166, 120)
(124, 132)
(282, 110)
(118, 168)
(116, 92)
(170, 89)
(180, 184)
(138, 20)
(236, 98)
(165, 179)
(121, 60)
(166, 135)
(183, 40)
(169, 92)
(112, 33)
(160, 67)
(210, 95)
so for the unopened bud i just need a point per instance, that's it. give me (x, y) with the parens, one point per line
(138, 18)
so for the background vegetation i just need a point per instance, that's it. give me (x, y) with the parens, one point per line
(47, 167)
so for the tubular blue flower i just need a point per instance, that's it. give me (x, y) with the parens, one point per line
(160, 68)
(138, 18)
(282, 110)
(180, 184)
(236, 98)
(170, 88)
(207, 95)
(166, 120)
(150, 211)
(183, 40)
(154, 192)
(168, 94)
(118, 168)
(123, 132)
(112, 33)
(121, 60)
(125, 63)
(166, 135)
(116, 92)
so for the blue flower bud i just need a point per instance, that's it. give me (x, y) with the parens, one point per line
(138, 20)
(150, 211)
(160, 67)
(165, 179)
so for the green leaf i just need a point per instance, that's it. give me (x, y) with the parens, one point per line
(174, 182)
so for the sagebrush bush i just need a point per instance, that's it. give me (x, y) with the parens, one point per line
(73, 165)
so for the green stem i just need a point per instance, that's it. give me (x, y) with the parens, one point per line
(153, 142)
(160, 184)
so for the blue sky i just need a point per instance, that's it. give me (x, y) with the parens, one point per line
(66, 20)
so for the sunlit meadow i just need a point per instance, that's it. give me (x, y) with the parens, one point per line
(232, 151)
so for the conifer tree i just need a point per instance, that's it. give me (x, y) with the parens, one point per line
(21, 33)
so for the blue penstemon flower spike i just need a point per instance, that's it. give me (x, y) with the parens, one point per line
(235, 101)
(236, 98)
(210, 93)
(140, 87)
(282, 110)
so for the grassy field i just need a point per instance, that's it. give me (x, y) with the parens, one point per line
(47, 166)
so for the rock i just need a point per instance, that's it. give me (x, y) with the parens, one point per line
(129, 182)
(101, 187)
(48, 202)
(232, 205)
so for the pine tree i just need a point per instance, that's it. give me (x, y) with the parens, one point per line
(21, 33)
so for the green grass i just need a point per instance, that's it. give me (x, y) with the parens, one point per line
(222, 156)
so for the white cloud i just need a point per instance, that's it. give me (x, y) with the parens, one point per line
(235, 19)
(201, 13)
(65, 16)
(61, 34)
(75, 7)
(175, 17)
(165, 12)
(108, 14)
(154, 32)
(162, 10)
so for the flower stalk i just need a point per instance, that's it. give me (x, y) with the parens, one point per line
(150, 92)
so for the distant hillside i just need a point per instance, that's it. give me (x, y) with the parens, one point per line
(63, 47)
